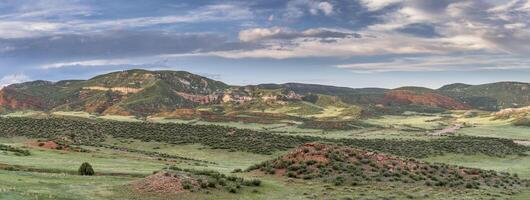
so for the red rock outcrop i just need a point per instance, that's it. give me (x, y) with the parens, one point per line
(428, 99)
(12, 99)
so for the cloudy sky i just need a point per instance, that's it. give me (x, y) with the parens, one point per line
(355, 43)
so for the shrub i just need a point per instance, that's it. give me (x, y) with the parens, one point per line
(232, 190)
(187, 185)
(256, 182)
(86, 169)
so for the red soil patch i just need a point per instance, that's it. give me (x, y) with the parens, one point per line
(164, 183)
(342, 165)
(116, 110)
(320, 152)
(183, 113)
(13, 99)
(428, 99)
(46, 144)
(51, 144)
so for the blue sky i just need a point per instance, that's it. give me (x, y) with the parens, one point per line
(354, 43)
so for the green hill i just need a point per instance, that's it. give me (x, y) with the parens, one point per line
(145, 93)
(493, 96)
(135, 92)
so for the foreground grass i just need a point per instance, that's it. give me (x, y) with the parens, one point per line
(26, 185)
(282, 188)
(224, 161)
(103, 160)
(513, 164)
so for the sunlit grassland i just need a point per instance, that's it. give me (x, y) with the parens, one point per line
(293, 129)
(424, 122)
(487, 126)
(225, 161)
(518, 164)
(120, 118)
(27, 185)
(103, 160)
(74, 114)
(88, 115)
(283, 188)
(27, 113)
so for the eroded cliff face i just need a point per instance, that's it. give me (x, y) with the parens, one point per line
(428, 99)
(121, 90)
(200, 99)
(13, 100)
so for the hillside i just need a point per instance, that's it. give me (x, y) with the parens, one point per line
(133, 92)
(342, 165)
(146, 93)
(493, 96)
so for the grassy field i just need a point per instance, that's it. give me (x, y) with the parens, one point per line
(104, 160)
(225, 161)
(512, 164)
(28, 185)
(132, 166)
(412, 121)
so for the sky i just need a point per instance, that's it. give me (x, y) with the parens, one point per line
(353, 43)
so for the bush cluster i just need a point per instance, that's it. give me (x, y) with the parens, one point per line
(209, 179)
(94, 132)
(347, 166)
(16, 150)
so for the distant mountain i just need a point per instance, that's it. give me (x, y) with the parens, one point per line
(493, 96)
(133, 92)
(145, 93)
(422, 96)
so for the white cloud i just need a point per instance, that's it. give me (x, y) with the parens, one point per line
(270, 18)
(12, 79)
(442, 63)
(14, 26)
(500, 27)
(21, 29)
(373, 5)
(282, 33)
(299, 8)
(47, 8)
(461, 26)
(220, 12)
(311, 43)
(102, 62)
(325, 8)
(254, 34)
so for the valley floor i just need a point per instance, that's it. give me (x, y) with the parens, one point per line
(52, 171)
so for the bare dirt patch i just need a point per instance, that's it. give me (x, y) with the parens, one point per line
(45, 144)
(54, 145)
(165, 183)
(522, 142)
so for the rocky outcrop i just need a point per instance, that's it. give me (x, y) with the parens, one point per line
(13, 100)
(201, 99)
(122, 90)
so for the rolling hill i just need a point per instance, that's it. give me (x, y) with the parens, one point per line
(492, 96)
(133, 92)
(146, 93)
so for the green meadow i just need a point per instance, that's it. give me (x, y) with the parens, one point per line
(53, 171)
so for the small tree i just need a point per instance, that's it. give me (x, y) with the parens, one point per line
(86, 170)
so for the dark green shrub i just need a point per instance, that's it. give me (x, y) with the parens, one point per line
(86, 169)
